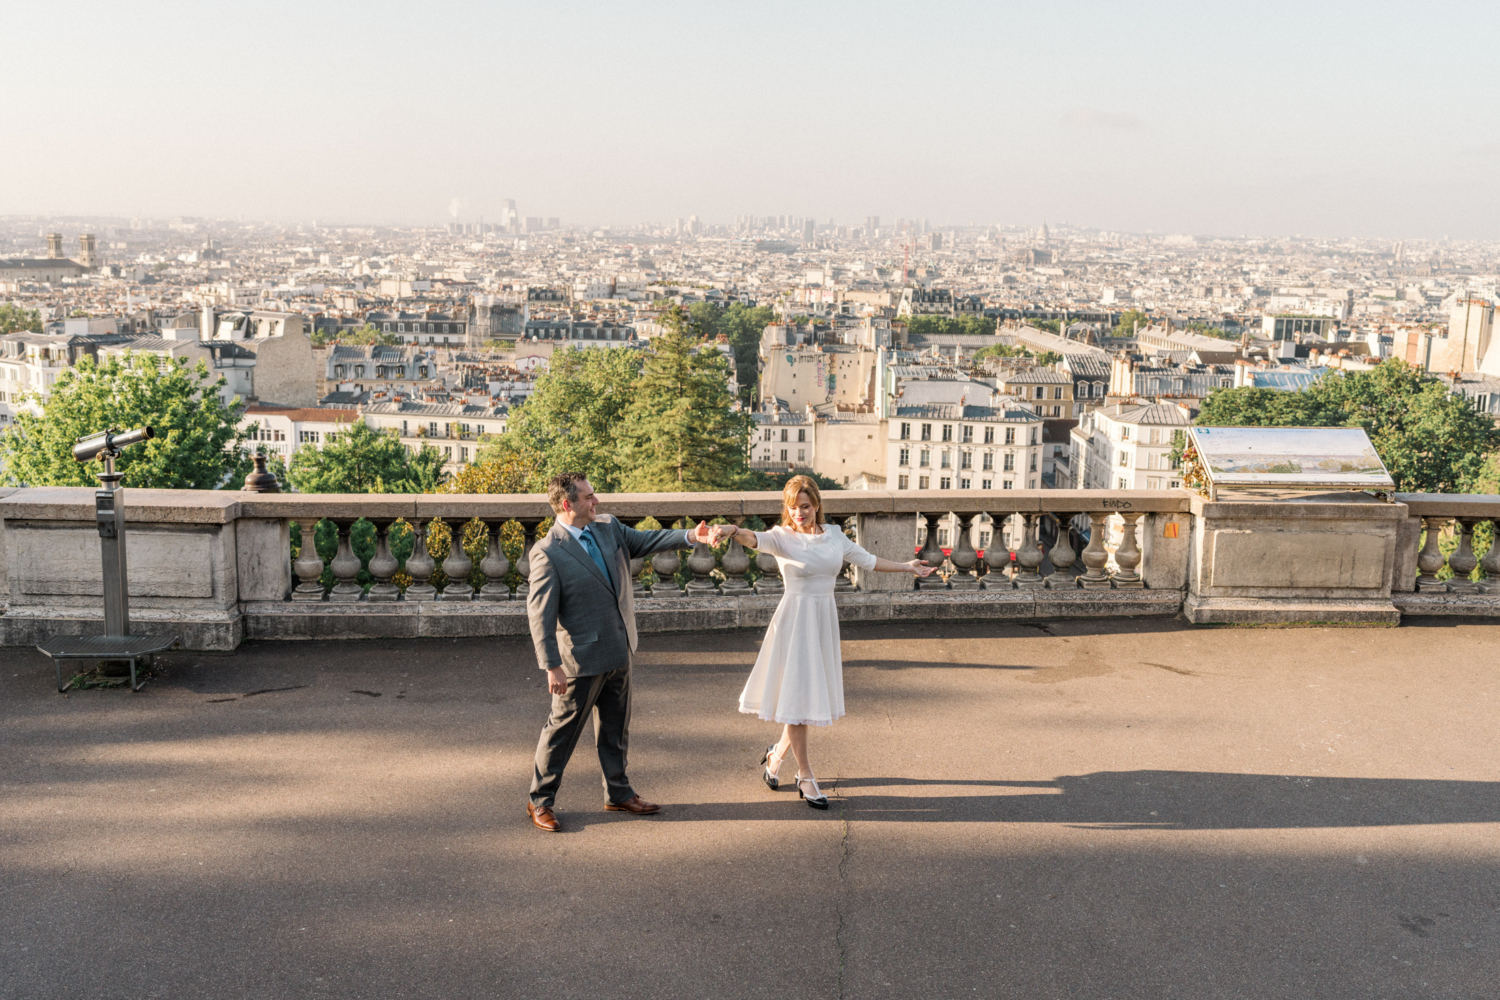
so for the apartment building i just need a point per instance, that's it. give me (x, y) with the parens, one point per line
(1046, 392)
(281, 430)
(944, 446)
(454, 429)
(1124, 446)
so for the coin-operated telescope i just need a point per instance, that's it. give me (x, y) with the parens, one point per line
(109, 517)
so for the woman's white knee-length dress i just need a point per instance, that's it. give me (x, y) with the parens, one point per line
(798, 676)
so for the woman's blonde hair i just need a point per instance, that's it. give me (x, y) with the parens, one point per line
(794, 486)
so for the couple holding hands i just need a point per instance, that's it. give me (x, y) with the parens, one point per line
(582, 618)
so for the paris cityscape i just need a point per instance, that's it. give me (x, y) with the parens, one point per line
(1010, 493)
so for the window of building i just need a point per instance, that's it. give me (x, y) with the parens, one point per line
(783, 454)
(947, 432)
(802, 434)
(1041, 392)
(307, 437)
(966, 460)
(922, 482)
(1124, 432)
(432, 429)
(905, 457)
(1010, 462)
(901, 482)
(1033, 484)
(989, 461)
(1033, 435)
(1008, 485)
(924, 458)
(1033, 462)
(1122, 484)
(448, 451)
(986, 484)
(1124, 459)
(783, 434)
(989, 435)
(965, 484)
(463, 454)
(802, 454)
(968, 435)
(944, 461)
(1057, 411)
(946, 483)
(906, 432)
(943, 536)
(768, 434)
(926, 432)
(1010, 435)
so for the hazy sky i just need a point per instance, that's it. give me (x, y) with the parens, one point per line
(1374, 119)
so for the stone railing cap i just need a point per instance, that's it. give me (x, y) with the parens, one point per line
(1451, 504)
(76, 503)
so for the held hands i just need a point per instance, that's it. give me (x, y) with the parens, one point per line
(920, 568)
(705, 533)
(721, 532)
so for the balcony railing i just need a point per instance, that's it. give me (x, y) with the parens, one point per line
(221, 566)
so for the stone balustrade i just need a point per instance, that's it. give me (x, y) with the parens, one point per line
(219, 567)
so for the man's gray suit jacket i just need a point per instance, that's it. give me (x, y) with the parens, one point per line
(579, 620)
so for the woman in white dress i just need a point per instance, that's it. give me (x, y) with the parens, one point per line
(798, 678)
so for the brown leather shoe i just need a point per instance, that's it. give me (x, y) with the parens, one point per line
(543, 818)
(634, 804)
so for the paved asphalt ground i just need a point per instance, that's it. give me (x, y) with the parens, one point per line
(1096, 810)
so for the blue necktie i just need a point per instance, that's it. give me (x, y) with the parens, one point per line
(592, 548)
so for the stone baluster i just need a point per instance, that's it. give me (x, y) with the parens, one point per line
(1463, 560)
(701, 562)
(457, 567)
(769, 584)
(844, 582)
(1062, 555)
(1490, 564)
(964, 558)
(1029, 555)
(383, 566)
(523, 564)
(997, 557)
(665, 565)
(309, 566)
(736, 563)
(494, 566)
(419, 566)
(932, 554)
(1430, 559)
(637, 568)
(1128, 556)
(1095, 556)
(345, 567)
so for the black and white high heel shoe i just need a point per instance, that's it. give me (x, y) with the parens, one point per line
(817, 799)
(769, 776)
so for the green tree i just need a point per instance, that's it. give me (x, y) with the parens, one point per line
(14, 319)
(929, 326)
(743, 325)
(1431, 440)
(682, 433)
(361, 459)
(571, 420)
(198, 445)
(1129, 320)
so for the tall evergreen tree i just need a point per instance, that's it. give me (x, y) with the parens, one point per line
(682, 432)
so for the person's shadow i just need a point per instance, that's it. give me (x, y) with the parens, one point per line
(1130, 800)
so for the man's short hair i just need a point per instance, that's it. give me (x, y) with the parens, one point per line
(564, 487)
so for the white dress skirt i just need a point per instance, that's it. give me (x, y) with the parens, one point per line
(798, 677)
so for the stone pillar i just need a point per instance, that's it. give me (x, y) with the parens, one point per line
(383, 566)
(665, 565)
(997, 556)
(932, 554)
(419, 566)
(494, 566)
(1095, 556)
(889, 536)
(1062, 555)
(736, 564)
(1463, 561)
(1128, 556)
(308, 567)
(964, 558)
(701, 563)
(457, 567)
(523, 565)
(1430, 559)
(1491, 563)
(1029, 555)
(345, 567)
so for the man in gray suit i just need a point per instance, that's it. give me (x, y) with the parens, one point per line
(582, 615)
